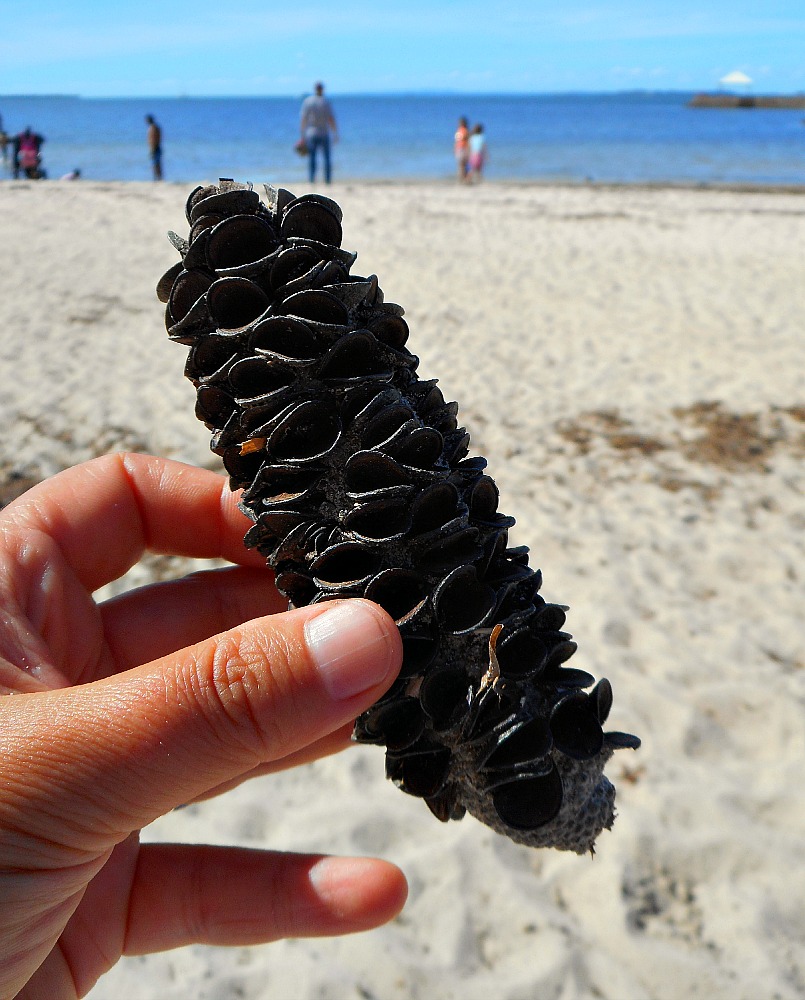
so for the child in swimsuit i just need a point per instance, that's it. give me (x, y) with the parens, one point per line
(477, 149)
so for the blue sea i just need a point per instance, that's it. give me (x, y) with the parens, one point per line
(622, 138)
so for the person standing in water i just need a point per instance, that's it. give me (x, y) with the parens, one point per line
(461, 148)
(4, 141)
(154, 137)
(316, 124)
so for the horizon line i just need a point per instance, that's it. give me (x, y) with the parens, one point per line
(410, 92)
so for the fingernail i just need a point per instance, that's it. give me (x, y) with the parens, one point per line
(352, 648)
(340, 882)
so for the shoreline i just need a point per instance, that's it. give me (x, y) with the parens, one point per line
(740, 187)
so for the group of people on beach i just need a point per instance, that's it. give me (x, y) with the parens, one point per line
(26, 152)
(25, 158)
(317, 126)
(317, 129)
(469, 146)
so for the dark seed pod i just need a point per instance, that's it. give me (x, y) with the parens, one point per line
(188, 287)
(356, 476)
(235, 302)
(445, 696)
(527, 804)
(240, 245)
(313, 218)
(397, 724)
(575, 727)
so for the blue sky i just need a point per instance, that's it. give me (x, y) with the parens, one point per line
(204, 48)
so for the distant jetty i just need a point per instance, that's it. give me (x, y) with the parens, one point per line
(747, 101)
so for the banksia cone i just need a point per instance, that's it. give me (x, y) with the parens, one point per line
(358, 481)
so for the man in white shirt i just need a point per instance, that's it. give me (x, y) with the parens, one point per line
(316, 123)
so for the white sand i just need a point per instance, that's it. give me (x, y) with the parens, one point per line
(631, 363)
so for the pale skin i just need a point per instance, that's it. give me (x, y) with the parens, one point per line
(118, 712)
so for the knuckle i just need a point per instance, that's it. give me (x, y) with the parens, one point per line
(242, 680)
(196, 914)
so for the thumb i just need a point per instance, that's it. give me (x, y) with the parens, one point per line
(90, 764)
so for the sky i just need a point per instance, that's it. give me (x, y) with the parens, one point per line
(261, 47)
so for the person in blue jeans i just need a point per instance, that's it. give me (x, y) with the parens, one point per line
(316, 125)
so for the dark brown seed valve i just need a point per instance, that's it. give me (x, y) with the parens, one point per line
(357, 478)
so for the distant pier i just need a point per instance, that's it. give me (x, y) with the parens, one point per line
(794, 101)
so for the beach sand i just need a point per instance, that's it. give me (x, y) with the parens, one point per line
(630, 361)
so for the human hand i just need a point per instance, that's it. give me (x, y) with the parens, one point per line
(119, 712)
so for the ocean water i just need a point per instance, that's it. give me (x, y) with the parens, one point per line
(627, 138)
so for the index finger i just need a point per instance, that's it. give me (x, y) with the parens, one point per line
(104, 514)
